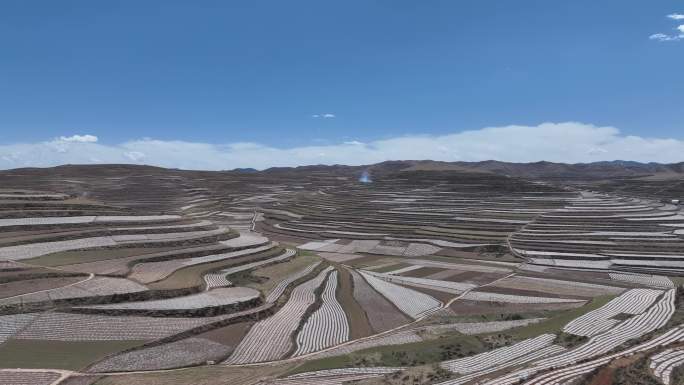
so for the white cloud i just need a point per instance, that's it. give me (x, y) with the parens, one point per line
(569, 142)
(79, 138)
(324, 116)
(664, 37)
(675, 37)
(597, 151)
(354, 143)
(135, 156)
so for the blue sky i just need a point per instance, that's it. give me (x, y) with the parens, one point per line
(254, 73)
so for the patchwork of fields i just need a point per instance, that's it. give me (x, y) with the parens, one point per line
(314, 278)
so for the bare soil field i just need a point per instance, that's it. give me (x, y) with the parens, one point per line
(382, 314)
(78, 257)
(72, 355)
(14, 288)
(229, 335)
(358, 321)
(424, 272)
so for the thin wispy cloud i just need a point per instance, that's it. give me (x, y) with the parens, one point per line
(679, 35)
(79, 138)
(324, 116)
(569, 142)
(664, 37)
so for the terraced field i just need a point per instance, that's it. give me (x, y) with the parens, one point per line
(309, 277)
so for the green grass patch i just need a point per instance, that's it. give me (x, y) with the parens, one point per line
(71, 355)
(556, 322)
(270, 276)
(413, 354)
(192, 275)
(308, 253)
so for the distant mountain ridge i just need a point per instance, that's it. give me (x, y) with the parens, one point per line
(535, 170)
(543, 169)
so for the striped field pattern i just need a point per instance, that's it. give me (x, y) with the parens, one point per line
(643, 279)
(412, 303)
(270, 339)
(594, 322)
(663, 363)
(327, 326)
(282, 285)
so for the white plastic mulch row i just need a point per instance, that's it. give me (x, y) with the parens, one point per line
(327, 326)
(185, 352)
(168, 227)
(643, 279)
(282, 285)
(213, 298)
(28, 377)
(498, 356)
(98, 286)
(510, 298)
(55, 326)
(663, 363)
(521, 360)
(141, 238)
(154, 271)
(560, 262)
(438, 242)
(344, 371)
(37, 249)
(557, 286)
(248, 266)
(634, 301)
(567, 374)
(219, 279)
(11, 324)
(316, 245)
(459, 266)
(213, 280)
(220, 257)
(412, 303)
(635, 327)
(270, 339)
(245, 240)
(36, 196)
(435, 284)
(420, 249)
(334, 376)
(404, 269)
